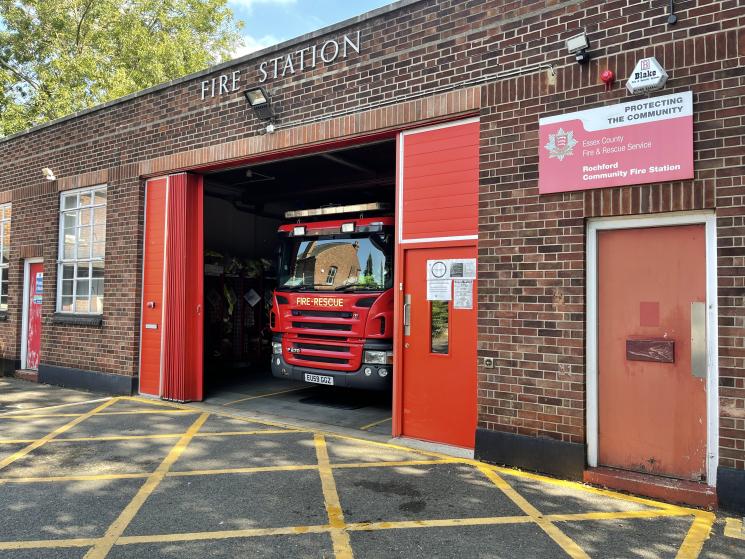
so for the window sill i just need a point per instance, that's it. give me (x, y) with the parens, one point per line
(77, 319)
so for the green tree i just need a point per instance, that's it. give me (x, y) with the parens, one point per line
(61, 56)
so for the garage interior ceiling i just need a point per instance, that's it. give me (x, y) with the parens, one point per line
(353, 175)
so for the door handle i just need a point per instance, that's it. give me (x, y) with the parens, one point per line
(407, 315)
(698, 340)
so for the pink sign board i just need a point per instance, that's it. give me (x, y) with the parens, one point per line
(644, 141)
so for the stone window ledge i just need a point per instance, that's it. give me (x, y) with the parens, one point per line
(77, 319)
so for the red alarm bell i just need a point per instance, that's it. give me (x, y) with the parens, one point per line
(608, 77)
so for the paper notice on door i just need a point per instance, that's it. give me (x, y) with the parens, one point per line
(451, 269)
(439, 290)
(462, 294)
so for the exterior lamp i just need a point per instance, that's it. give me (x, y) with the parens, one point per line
(259, 100)
(578, 45)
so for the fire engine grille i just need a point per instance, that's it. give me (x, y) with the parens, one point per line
(323, 314)
(318, 359)
(322, 347)
(322, 326)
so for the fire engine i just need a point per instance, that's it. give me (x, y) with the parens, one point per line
(332, 310)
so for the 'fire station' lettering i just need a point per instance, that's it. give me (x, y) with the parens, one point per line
(308, 57)
(334, 302)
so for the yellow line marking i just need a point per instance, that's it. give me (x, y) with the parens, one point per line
(18, 441)
(117, 528)
(391, 463)
(153, 402)
(256, 432)
(225, 534)
(250, 470)
(612, 515)
(48, 544)
(565, 542)
(339, 536)
(82, 477)
(247, 398)
(697, 535)
(69, 404)
(128, 412)
(439, 523)
(374, 423)
(46, 438)
(733, 528)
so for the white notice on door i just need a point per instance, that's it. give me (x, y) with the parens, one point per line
(464, 268)
(439, 290)
(463, 294)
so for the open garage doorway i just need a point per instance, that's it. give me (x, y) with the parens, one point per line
(298, 277)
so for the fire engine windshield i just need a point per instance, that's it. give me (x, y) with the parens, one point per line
(354, 262)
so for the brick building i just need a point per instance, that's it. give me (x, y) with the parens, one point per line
(551, 263)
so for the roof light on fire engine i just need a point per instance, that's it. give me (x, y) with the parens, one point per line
(298, 231)
(347, 228)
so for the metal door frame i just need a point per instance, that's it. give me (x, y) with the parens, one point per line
(708, 219)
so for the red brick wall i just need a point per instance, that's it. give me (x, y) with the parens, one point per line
(531, 248)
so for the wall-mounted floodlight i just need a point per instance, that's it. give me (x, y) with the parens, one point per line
(260, 102)
(48, 174)
(578, 45)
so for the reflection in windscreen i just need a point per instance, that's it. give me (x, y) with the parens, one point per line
(331, 264)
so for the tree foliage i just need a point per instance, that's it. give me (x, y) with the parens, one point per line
(61, 56)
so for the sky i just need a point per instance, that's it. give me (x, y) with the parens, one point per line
(268, 22)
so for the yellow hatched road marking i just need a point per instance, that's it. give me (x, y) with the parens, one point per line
(127, 412)
(46, 438)
(225, 534)
(339, 535)
(391, 463)
(374, 424)
(269, 394)
(565, 542)
(733, 528)
(316, 529)
(251, 470)
(67, 405)
(697, 535)
(82, 477)
(47, 544)
(438, 523)
(117, 528)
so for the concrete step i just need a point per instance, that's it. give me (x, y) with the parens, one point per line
(27, 374)
(678, 491)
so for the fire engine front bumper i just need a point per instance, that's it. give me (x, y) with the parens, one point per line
(344, 379)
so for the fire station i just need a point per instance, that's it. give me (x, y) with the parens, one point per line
(511, 230)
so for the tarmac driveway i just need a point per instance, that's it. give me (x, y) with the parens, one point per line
(127, 478)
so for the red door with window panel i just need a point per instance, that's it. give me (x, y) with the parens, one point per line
(439, 354)
(651, 386)
(35, 282)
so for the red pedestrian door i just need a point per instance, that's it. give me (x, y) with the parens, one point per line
(652, 350)
(35, 291)
(439, 345)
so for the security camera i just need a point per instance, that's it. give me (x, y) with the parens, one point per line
(48, 174)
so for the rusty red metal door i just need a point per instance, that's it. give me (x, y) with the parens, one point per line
(651, 393)
(35, 283)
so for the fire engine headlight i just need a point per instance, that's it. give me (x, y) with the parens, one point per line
(378, 357)
(368, 371)
(277, 348)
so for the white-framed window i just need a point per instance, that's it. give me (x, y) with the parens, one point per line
(82, 244)
(4, 248)
(332, 275)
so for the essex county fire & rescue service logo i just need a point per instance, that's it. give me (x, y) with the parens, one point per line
(561, 144)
